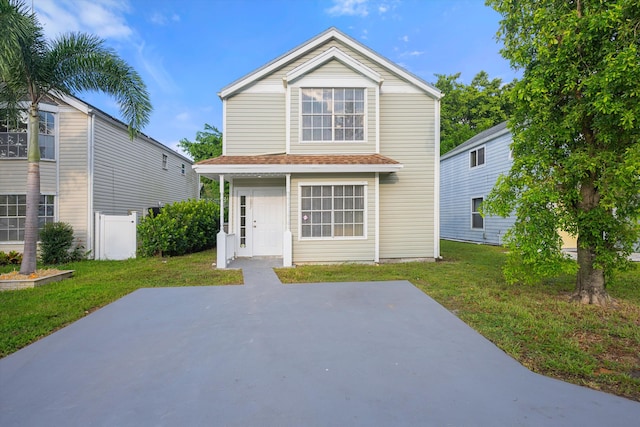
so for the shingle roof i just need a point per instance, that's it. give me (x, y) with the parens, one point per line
(476, 139)
(302, 159)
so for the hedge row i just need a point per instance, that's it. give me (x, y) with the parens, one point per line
(180, 228)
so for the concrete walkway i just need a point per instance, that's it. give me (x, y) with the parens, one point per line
(266, 354)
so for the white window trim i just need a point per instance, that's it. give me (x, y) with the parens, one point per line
(365, 137)
(47, 108)
(472, 212)
(365, 184)
(476, 151)
(55, 213)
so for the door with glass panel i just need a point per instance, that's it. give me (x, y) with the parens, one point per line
(260, 221)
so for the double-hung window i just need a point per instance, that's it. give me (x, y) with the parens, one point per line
(333, 115)
(13, 211)
(476, 157)
(13, 137)
(477, 221)
(332, 211)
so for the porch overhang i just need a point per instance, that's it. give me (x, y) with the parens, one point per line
(283, 164)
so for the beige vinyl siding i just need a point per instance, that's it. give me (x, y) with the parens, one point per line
(329, 71)
(72, 159)
(128, 175)
(255, 124)
(407, 205)
(335, 250)
(276, 77)
(13, 178)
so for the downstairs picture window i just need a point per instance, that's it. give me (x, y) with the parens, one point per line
(13, 211)
(332, 211)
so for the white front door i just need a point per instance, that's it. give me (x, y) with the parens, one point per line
(260, 221)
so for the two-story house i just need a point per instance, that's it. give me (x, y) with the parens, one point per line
(331, 152)
(468, 173)
(88, 164)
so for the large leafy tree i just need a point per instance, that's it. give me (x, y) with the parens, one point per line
(32, 67)
(576, 130)
(467, 110)
(208, 144)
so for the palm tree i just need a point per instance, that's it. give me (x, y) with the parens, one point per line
(31, 67)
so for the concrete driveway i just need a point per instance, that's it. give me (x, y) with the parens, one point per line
(266, 354)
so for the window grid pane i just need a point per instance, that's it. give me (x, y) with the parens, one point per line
(13, 210)
(13, 137)
(332, 211)
(333, 114)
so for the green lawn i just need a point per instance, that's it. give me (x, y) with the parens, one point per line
(591, 346)
(30, 314)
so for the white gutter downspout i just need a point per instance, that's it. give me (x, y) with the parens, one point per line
(90, 163)
(376, 258)
(436, 190)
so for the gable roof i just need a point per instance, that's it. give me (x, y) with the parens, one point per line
(330, 34)
(479, 139)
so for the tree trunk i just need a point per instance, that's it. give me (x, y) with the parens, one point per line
(590, 284)
(30, 251)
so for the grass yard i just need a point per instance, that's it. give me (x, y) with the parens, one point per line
(30, 314)
(585, 345)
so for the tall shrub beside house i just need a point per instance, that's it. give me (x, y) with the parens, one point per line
(180, 228)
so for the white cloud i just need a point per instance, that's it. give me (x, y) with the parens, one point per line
(153, 64)
(104, 18)
(383, 8)
(412, 53)
(404, 38)
(349, 8)
(183, 117)
(161, 19)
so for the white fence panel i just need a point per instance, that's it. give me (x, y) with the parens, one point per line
(116, 236)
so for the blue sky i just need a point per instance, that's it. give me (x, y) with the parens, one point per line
(187, 50)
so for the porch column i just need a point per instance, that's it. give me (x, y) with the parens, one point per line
(287, 241)
(221, 237)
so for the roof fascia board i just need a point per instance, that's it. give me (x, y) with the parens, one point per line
(462, 147)
(328, 55)
(293, 168)
(331, 33)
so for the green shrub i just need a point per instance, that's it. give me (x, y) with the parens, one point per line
(180, 228)
(13, 257)
(56, 239)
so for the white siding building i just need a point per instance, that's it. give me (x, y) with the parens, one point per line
(88, 165)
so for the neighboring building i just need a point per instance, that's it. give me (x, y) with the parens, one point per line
(332, 154)
(467, 175)
(88, 164)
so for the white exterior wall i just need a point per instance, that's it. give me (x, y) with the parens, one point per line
(129, 175)
(460, 183)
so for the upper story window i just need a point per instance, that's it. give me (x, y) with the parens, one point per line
(476, 157)
(333, 115)
(184, 169)
(165, 160)
(13, 137)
